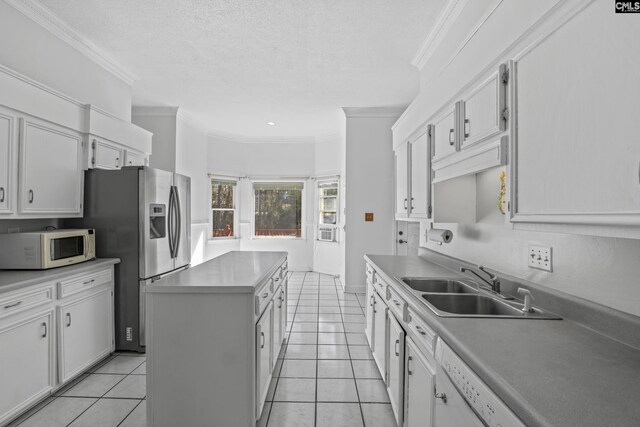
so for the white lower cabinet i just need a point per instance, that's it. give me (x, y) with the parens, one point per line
(368, 330)
(395, 367)
(85, 332)
(419, 387)
(264, 347)
(379, 330)
(279, 310)
(26, 362)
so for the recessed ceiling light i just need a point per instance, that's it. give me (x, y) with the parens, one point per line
(271, 123)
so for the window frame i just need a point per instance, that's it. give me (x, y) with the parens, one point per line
(236, 211)
(336, 226)
(303, 208)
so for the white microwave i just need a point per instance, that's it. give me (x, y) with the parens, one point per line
(40, 250)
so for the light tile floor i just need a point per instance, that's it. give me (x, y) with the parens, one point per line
(325, 374)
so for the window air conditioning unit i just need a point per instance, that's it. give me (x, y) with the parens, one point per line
(327, 234)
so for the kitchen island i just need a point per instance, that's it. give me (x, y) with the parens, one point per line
(214, 334)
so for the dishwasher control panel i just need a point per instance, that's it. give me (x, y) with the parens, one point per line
(477, 395)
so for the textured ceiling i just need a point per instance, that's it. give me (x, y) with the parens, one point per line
(234, 65)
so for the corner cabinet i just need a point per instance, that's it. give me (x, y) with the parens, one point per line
(52, 331)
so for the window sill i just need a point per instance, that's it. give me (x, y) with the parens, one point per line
(277, 238)
(223, 239)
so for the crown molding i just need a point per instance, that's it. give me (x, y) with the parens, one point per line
(445, 20)
(373, 112)
(49, 21)
(192, 121)
(148, 111)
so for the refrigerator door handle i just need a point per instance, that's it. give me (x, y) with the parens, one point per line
(170, 222)
(176, 200)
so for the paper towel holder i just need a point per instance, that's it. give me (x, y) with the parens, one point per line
(439, 236)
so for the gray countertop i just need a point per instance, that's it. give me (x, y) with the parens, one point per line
(11, 280)
(236, 271)
(549, 372)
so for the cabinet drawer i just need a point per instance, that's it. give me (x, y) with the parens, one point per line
(397, 305)
(80, 283)
(263, 297)
(425, 337)
(22, 300)
(380, 285)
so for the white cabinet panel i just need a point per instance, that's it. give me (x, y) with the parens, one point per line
(7, 129)
(85, 332)
(420, 383)
(105, 155)
(444, 133)
(26, 368)
(481, 110)
(575, 136)
(369, 331)
(402, 180)
(395, 378)
(50, 173)
(134, 158)
(264, 346)
(420, 177)
(279, 309)
(380, 334)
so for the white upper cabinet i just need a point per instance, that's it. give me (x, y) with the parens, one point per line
(444, 133)
(402, 180)
(575, 153)
(420, 176)
(482, 110)
(105, 155)
(134, 158)
(7, 130)
(50, 170)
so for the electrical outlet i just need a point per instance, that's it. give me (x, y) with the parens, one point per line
(540, 257)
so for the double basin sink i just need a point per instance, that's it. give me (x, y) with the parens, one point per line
(457, 298)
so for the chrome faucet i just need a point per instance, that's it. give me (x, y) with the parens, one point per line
(493, 281)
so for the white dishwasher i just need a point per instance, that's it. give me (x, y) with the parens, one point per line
(463, 399)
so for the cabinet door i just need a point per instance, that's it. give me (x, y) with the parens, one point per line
(419, 386)
(27, 371)
(50, 175)
(85, 333)
(7, 126)
(395, 377)
(278, 309)
(369, 327)
(264, 346)
(105, 156)
(420, 177)
(134, 158)
(444, 133)
(402, 180)
(482, 109)
(380, 334)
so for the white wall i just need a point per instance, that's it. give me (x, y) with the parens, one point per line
(163, 124)
(369, 188)
(33, 51)
(604, 270)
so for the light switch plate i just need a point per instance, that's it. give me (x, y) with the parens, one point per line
(540, 257)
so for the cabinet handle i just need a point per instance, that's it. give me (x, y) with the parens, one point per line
(412, 203)
(277, 280)
(395, 349)
(89, 282)
(13, 305)
(442, 396)
(68, 319)
(395, 301)
(117, 162)
(467, 125)
(371, 300)
(30, 196)
(262, 338)
(1, 194)
(405, 204)
(374, 306)
(451, 137)
(44, 325)
(420, 330)
(409, 371)
(266, 294)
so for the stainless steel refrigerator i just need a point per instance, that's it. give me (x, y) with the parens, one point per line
(142, 216)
